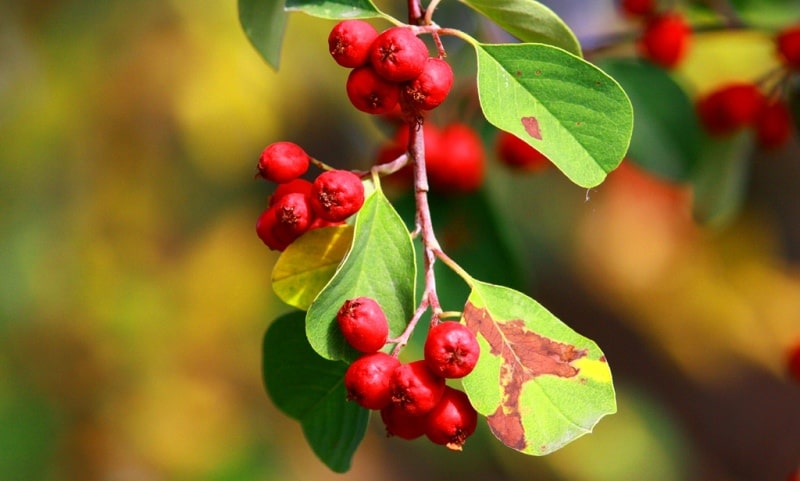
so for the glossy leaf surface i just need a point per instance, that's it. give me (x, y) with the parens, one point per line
(335, 9)
(264, 23)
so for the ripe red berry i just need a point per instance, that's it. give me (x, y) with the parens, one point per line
(336, 195)
(429, 88)
(459, 163)
(265, 229)
(666, 39)
(398, 55)
(301, 186)
(452, 420)
(793, 361)
(349, 42)
(451, 350)
(788, 43)
(367, 380)
(638, 8)
(416, 389)
(363, 324)
(282, 161)
(729, 108)
(371, 93)
(401, 424)
(773, 125)
(515, 152)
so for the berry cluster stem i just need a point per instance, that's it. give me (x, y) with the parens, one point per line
(432, 250)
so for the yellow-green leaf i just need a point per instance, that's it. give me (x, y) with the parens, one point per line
(306, 266)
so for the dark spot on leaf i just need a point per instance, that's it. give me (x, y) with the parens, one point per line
(538, 72)
(598, 83)
(602, 359)
(531, 125)
(526, 355)
(518, 73)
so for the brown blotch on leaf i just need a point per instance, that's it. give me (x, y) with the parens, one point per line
(526, 355)
(531, 125)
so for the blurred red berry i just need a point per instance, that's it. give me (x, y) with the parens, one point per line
(666, 39)
(793, 361)
(773, 125)
(458, 165)
(638, 8)
(788, 43)
(515, 152)
(729, 108)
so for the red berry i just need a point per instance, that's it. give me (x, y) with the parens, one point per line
(363, 324)
(793, 361)
(336, 195)
(401, 424)
(638, 8)
(788, 43)
(301, 186)
(265, 229)
(282, 161)
(515, 152)
(773, 125)
(398, 55)
(349, 42)
(371, 93)
(666, 39)
(452, 420)
(429, 88)
(458, 165)
(367, 380)
(294, 214)
(794, 475)
(416, 389)
(729, 108)
(451, 350)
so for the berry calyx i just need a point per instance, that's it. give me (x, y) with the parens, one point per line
(430, 88)
(363, 324)
(282, 161)
(398, 55)
(415, 388)
(666, 39)
(371, 93)
(401, 424)
(451, 350)
(458, 164)
(788, 45)
(367, 380)
(294, 215)
(349, 42)
(729, 108)
(336, 195)
(638, 8)
(773, 125)
(516, 153)
(452, 420)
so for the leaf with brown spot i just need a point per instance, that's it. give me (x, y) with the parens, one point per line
(539, 383)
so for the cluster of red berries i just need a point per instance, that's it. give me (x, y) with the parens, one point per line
(389, 69)
(667, 35)
(413, 398)
(454, 156)
(738, 105)
(298, 205)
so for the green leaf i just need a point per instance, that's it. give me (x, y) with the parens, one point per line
(335, 9)
(311, 390)
(720, 179)
(767, 13)
(529, 21)
(380, 265)
(568, 109)
(306, 266)
(666, 135)
(540, 384)
(264, 23)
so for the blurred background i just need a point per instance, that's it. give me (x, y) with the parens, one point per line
(135, 292)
